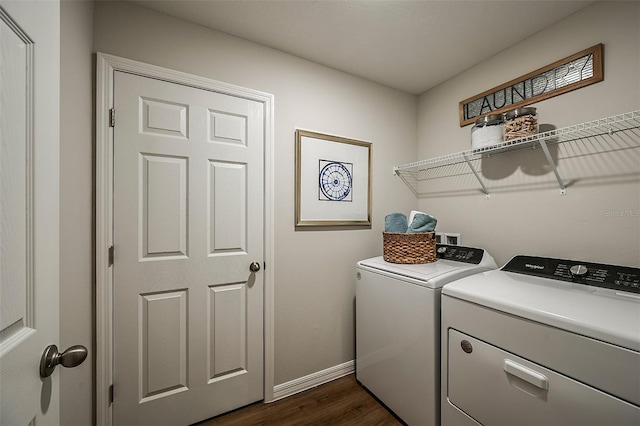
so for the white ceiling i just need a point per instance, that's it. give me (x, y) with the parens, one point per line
(408, 45)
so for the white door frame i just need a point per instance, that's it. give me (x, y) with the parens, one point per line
(105, 68)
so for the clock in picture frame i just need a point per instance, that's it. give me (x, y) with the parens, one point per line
(333, 181)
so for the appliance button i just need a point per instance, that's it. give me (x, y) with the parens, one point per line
(466, 346)
(578, 270)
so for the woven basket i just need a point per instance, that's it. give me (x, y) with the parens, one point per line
(418, 247)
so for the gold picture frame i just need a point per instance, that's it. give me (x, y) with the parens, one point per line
(333, 181)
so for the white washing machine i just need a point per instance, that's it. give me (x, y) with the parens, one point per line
(542, 342)
(398, 328)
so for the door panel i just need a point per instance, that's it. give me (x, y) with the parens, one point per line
(164, 118)
(29, 208)
(188, 221)
(228, 325)
(227, 208)
(164, 206)
(15, 190)
(163, 343)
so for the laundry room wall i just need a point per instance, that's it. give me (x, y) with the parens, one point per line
(314, 270)
(598, 219)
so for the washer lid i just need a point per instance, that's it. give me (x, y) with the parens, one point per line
(604, 314)
(434, 274)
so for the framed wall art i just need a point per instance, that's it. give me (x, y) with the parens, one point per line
(333, 181)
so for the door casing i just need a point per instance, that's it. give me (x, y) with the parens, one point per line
(105, 68)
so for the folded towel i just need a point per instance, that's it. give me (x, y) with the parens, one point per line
(422, 223)
(395, 222)
(413, 214)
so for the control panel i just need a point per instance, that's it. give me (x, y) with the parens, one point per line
(459, 253)
(620, 278)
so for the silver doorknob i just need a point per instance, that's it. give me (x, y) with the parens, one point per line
(72, 357)
(254, 267)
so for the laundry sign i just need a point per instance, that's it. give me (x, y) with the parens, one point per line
(573, 72)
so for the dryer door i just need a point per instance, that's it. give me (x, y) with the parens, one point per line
(496, 387)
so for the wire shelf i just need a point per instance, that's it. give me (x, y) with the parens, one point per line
(411, 173)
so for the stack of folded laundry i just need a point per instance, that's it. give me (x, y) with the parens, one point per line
(417, 222)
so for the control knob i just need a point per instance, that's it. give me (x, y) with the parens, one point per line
(442, 250)
(578, 270)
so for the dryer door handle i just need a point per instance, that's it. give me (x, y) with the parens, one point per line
(526, 374)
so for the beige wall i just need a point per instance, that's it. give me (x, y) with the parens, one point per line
(76, 204)
(526, 214)
(314, 285)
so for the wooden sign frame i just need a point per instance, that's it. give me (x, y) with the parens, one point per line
(526, 90)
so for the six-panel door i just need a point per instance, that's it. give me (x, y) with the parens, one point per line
(188, 222)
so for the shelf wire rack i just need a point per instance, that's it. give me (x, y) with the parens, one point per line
(414, 173)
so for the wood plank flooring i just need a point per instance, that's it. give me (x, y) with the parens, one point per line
(340, 402)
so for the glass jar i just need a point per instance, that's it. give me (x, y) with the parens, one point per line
(520, 122)
(487, 131)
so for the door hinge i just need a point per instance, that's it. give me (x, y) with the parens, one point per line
(112, 117)
(111, 255)
(111, 394)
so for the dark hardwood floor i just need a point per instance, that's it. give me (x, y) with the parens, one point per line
(340, 402)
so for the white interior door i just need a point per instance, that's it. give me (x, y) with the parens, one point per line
(188, 222)
(29, 204)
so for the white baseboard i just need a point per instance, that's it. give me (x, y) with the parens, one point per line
(312, 380)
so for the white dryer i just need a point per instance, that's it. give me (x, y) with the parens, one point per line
(542, 342)
(398, 328)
